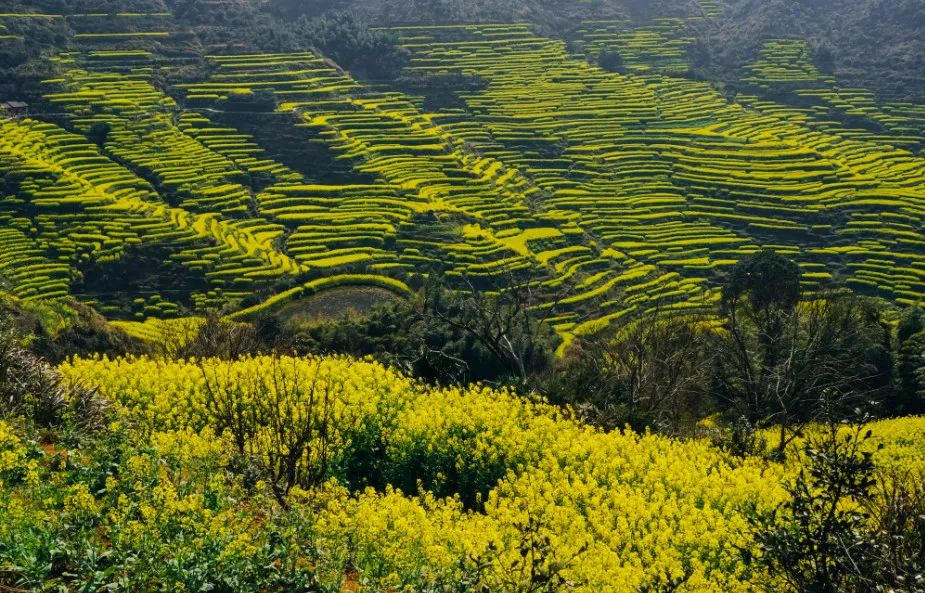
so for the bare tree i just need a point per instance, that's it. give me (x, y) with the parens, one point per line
(648, 373)
(776, 365)
(510, 320)
(228, 402)
(283, 418)
(297, 412)
(214, 338)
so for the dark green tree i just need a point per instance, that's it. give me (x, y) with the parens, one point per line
(823, 57)
(99, 133)
(779, 357)
(767, 279)
(611, 60)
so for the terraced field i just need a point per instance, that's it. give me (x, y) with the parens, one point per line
(786, 74)
(431, 178)
(667, 171)
(660, 47)
(92, 25)
(614, 193)
(82, 210)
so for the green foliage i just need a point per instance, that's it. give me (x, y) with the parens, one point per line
(844, 529)
(444, 336)
(173, 519)
(767, 279)
(817, 539)
(910, 345)
(386, 332)
(611, 60)
(341, 35)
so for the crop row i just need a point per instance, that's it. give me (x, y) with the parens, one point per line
(664, 169)
(79, 208)
(423, 170)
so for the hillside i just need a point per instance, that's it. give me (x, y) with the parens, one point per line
(462, 296)
(866, 43)
(874, 44)
(545, 13)
(150, 181)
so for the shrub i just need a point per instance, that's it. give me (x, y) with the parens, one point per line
(33, 390)
(843, 530)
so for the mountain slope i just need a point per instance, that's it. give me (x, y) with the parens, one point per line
(875, 44)
(153, 181)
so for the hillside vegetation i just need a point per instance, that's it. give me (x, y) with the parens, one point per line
(866, 43)
(155, 182)
(462, 296)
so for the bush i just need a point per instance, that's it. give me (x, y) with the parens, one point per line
(843, 530)
(611, 61)
(32, 390)
(817, 541)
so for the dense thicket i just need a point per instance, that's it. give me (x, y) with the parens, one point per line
(546, 13)
(871, 43)
(445, 337)
(767, 357)
(876, 44)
